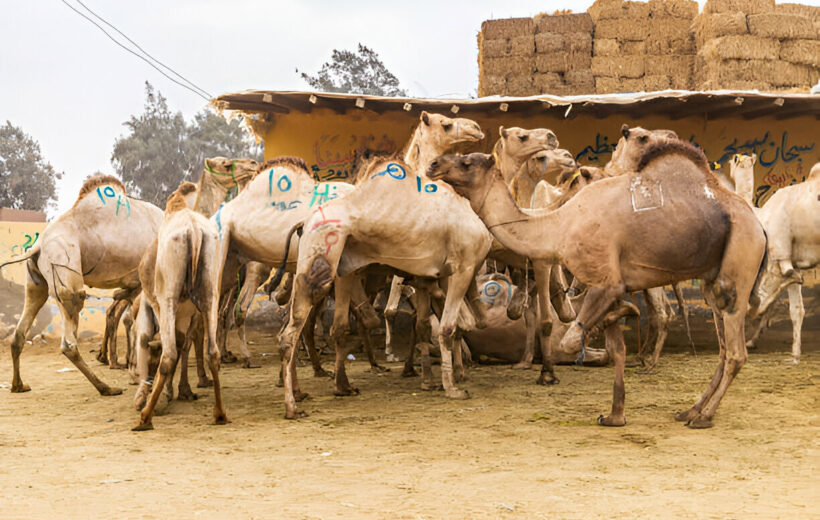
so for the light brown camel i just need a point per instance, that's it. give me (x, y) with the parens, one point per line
(182, 284)
(791, 217)
(398, 218)
(220, 179)
(615, 242)
(98, 243)
(544, 165)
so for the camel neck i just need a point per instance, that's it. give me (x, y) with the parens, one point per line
(514, 228)
(419, 155)
(744, 185)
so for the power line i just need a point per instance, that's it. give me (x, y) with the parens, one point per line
(143, 58)
(103, 20)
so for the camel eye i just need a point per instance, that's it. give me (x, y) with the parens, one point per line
(523, 138)
(643, 138)
(447, 127)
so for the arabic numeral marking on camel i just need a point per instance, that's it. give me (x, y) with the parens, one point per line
(428, 188)
(109, 193)
(394, 170)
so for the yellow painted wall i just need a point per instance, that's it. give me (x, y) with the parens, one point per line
(327, 140)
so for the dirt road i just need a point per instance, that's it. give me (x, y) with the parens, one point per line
(515, 450)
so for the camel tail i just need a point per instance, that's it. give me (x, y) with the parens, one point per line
(684, 312)
(194, 238)
(280, 271)
(32, 253)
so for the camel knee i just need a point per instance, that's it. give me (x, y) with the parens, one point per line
(168, 362)
(725, 295)
(545, 328)
(70, 350)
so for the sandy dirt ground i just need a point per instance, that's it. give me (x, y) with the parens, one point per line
(515, 450)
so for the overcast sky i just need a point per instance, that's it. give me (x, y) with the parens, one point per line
(71, 88)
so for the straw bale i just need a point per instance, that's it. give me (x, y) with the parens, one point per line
(669, 28)
(708, 26)
(784, 74)
(520, 86)
(808, 11)
(744, 46)
(491, 85)
(562, 61)
(503, 47)
(564, 23)
(633, 48)
(548, 42)
(605, 85)
(744, 6)
(656, 82)
(506, 27)
(618, 66)
(669, 65)
(578, 42)
(774, 72)
(614, 9)
(550, 82)
(580, 80)
(504, 66)
(661, 45)
(681, 81)
(621, 29)
(606, 47)
(736, 85)
(779, 25)
(674, 8)
(806, 52)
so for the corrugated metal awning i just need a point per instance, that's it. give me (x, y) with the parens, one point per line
(675, 104)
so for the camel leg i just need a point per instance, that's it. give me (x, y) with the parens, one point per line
(615, 343)
(684, 312)
(168, 359)
(367, 320)
(198, 342)
(108, 348)
(530, 324)
(127, 323)
(515, 307)
(184, 392)
(390, 311)
(596, 304)
(36, 296)
(476, 306)
(341, 324)
(796, 313)
(659, 321)
(456, 288)
(309, 338)
(546, 314)
(210, 315)
(146, 327)
(556, 289)
(762, 325)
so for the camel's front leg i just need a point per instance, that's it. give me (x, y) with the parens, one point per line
(596, 304)
(108, 350)
(341, 317)
(36, 296)
(615, 344)
(456, 289)
(168, 360)
(796, 313)
(659, 321)
(390, 311)
(547, 319)
(210, 315)
(531, 326)
(367, 320)
(309, 338)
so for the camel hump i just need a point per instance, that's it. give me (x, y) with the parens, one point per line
(176, 202)
(296, 162)
(98, 181)
(379, 166)
(676, 147)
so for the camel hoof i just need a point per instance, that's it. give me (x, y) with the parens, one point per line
(205, 383)
(457, 393)
(686, 415)
(143, 427)
(378, 369)
(185, 394)
(409, 373)
(547, 379)
(248, 364)
(792, 361)
(699, 423)
(220, 420)
(20, 389)
(392, 359)
(110, 390)
(611, 421)
(102, 359)
(300, 396)
(323, 373)
(295, 415)
(750, 345)
(228, 357)
(427, 387)
(346, 392)
(522, 366)
(117, 366)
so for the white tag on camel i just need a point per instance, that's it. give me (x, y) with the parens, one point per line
(646, 194)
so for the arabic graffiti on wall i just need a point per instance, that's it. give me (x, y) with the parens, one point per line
(19, 249)
(335, 156)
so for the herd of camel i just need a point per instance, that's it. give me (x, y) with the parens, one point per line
(423, 223)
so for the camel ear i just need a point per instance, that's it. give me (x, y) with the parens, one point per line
(490, 160)
(754, 159)
(670, 134)
(425, 117)
(586, 173)
(552, 139)
(625, 130)
(502, 132)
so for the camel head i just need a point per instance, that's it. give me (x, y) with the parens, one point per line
(440, 133)
(517, 145)
(632, 144)
(230, 172)
(549, 163)
(741, 164)
(467, 174)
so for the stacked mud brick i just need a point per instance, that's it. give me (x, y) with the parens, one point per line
(506, 57)
(755, 44)
(563, 54)
(642, 45)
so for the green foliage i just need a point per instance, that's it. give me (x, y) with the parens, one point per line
(359, 72)
(161, 150)
(26, 179)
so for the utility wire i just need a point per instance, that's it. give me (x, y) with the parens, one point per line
(135, 44)
(143, 58)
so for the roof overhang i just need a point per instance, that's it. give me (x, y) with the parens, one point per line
(675, 104)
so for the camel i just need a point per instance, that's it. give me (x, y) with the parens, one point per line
(98, 242)
(791, 217)
(435, 235)
(615, 242)
(545, 164)
(220, 179)
(178, 284)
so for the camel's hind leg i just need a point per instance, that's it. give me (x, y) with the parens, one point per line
(456, 289)
(367, 320)
(309, 339)
(341, 317)
(615, 344)
(796, 313)
(36, 296)
(167, 332)
(390, 311)
(546, 314)
(659, 321)
(108, 350)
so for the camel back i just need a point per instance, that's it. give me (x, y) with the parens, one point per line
(98, 181)
(289, 160)
(677, 147)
